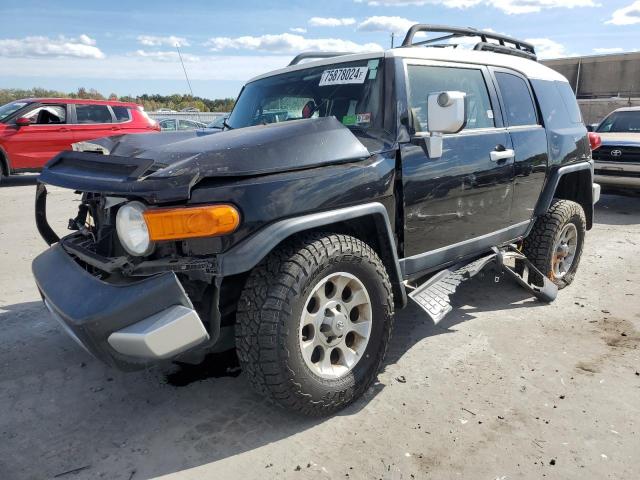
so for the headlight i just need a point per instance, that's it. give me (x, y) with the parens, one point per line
(132, 229)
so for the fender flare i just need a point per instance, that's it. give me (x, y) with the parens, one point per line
(248, 253)
(5, 169)
(549, 190)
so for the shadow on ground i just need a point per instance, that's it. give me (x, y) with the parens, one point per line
(68, 411)
(617, 209)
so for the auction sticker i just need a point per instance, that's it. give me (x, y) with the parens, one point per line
(343, 76)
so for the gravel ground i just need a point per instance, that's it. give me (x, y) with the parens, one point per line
(503, 388)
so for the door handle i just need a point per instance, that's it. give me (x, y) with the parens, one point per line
(63, 129)
(505, 154)
(115, 128)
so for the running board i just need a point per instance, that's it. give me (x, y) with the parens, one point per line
(434, 296)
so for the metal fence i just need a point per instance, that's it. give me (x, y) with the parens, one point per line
(204, 117)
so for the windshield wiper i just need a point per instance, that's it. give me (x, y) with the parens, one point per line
(224, 122)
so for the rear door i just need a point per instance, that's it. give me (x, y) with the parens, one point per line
(452, 202)
(93, 121)
(30, 147)
(529, 140)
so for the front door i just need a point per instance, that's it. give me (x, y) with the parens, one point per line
(466, 194)
(31, 146)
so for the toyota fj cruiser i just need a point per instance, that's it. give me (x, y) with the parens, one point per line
(335, 187)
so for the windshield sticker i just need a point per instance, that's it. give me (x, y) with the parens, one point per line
(349, 120)
(343, 76)
(363, 118)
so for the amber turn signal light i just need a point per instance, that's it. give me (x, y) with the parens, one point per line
(190, 222)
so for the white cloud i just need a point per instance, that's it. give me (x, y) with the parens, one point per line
(608, 50)
(38, 46)
(237, 68)
(547, 48)
(288, 43)
(165, 56)
(386, 24)
(331, 22)
(629, 15)
(170, 41)
(298, 30)
(510, 7)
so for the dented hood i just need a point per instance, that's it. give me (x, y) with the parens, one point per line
(164, 167)
(255, 150)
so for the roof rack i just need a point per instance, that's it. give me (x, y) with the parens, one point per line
(516, 47)
(307, 55)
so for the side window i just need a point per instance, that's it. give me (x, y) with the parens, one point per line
(48, 114)
(93, 114)
(123, 114)
(424, 80)
(169, 124)
(186, 125)
(518, 102)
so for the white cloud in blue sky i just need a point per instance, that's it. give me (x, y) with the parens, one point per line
(128, 47)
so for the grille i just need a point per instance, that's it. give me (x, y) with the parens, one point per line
(608, 153)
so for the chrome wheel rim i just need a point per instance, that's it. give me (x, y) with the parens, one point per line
(335, 325)
(564, 250)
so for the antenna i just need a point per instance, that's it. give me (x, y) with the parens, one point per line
(184, 69)
(186, 76)
(392, 36)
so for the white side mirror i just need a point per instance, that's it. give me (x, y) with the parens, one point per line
(446, 113)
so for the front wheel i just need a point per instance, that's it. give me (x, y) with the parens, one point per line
(314, 321)
(556, 241)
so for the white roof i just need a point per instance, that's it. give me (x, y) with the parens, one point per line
(528, 68)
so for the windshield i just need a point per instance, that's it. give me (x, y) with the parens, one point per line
(351, 92)
(621, 122)
(9, 108)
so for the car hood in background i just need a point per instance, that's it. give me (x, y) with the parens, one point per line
(620, 139)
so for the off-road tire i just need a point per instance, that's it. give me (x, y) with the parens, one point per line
(269, 312)
(539, 245)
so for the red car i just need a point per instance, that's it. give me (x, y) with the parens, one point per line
(34, 130)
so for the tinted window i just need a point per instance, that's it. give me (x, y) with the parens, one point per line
(93, 114)
(569, 99)
(519, 105)
(48, 114)
(425, 80)
(122, 114)
(169, 124)
(622, 122)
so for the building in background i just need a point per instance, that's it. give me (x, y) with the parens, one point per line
(602, 83)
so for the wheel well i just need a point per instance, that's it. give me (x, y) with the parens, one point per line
(577, 186)
(371, 230)
(4, 164)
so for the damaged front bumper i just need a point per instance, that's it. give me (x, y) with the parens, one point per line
(125, 325)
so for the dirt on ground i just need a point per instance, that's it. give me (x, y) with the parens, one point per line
(503, 388)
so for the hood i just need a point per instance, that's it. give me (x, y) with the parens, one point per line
(258, 150)
(163, 167)
(620, 138)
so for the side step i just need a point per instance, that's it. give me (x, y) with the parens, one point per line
(434, 296)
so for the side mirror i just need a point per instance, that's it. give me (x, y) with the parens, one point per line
(23, 122)
(592, 127)
(446, 113)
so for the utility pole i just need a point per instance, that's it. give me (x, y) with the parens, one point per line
(392, 35)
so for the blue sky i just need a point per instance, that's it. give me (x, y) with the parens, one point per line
(128, 47)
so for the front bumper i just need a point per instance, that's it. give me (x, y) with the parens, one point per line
(125, 325)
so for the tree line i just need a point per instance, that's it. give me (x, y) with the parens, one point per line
(150, 103)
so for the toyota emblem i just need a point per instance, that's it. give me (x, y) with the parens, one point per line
(616, 153)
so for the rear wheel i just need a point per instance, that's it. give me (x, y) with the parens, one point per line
(555, 244)
(314, 321)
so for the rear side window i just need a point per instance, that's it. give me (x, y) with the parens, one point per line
(123, 114)
(425, 80)
(93, 114)
(569, 99)
(519, 105)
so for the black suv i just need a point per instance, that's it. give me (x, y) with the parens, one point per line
(294, 233)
